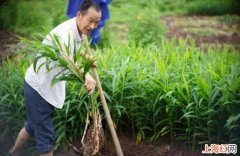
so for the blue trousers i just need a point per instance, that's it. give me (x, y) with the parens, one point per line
(39, 119)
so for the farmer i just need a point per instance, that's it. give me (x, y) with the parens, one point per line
(40, 97)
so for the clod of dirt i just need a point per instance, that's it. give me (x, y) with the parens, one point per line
(89, 142)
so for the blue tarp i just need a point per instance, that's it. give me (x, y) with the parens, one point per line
(73, 6)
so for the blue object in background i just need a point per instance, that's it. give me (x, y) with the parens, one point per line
(73, 6)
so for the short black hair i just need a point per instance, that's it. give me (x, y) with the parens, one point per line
(86, 4)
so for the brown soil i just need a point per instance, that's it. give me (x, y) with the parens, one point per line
(130, 148)
(204, 30)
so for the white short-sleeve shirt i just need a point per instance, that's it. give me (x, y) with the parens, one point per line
(41, 81)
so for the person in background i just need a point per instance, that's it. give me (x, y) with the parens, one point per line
(40, 97)
(95, 34)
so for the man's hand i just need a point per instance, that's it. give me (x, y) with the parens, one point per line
(89, 83)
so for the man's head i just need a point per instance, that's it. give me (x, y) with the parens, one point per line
(88, 16)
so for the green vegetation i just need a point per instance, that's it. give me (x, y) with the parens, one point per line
(183, 92)
(228, 19)
(153, 86)
(28, 17)
(146, 31)
(214, 7)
